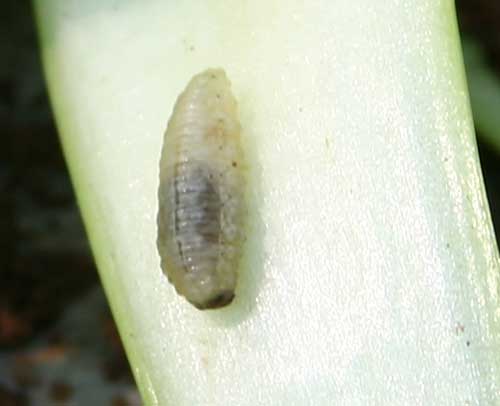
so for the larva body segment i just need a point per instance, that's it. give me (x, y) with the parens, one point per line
(201, 193)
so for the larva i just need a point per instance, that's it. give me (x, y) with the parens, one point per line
(201, 193)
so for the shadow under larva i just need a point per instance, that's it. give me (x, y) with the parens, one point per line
(202, 207)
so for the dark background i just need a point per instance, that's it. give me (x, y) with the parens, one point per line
(46, 268)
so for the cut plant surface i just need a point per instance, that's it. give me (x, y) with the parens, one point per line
(370, 270)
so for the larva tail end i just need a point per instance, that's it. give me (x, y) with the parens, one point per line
(222, 299)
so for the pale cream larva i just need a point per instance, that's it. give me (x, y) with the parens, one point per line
(201, 194)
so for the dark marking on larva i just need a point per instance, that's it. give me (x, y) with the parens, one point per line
(198, 198)
(208, 201)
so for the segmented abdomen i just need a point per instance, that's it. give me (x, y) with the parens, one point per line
(197, 225)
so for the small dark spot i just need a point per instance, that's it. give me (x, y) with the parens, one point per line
(235, 164)
(446, 159)
(61, 391)
(220, 300)
(300, 109)
(447, 245)
(467, 343)
(218, 96)
(118, 400)
(191, 48)
(212, 76)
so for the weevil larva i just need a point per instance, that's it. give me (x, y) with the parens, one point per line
(201, 194)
